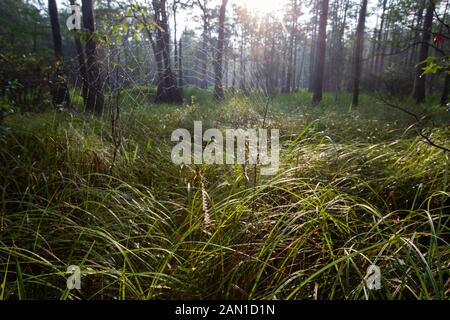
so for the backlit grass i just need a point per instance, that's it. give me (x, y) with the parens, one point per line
(355, 187)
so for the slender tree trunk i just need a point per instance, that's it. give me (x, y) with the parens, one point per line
(445, 91)
(60, 92)
(168, 90)
(233, 82)
(358, 53)
(175, 41)
(218, 89)
(416, 37)
(340, 54)
(294, 66)
(282, 83)
(290, 64)
(434, 77)
(204, 56)
(287, 84)
(157, 53)
(419, 81)
(330, 73)
(204, 51)
(320, 59)
(95, 98)
(312, 53)
(300, 71)
(243, 85)
(379, 46)
(380, 66)
(180, 63)
(226, 51)
(372, 52)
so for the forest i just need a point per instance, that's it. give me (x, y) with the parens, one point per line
(224, 149)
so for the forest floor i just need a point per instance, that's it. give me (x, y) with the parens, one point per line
(355, 187)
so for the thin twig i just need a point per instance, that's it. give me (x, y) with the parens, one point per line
(418, 120)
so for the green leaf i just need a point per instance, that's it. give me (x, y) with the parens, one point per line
(431, 68)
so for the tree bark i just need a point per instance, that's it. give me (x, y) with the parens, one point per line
(204, 51)
(378, 50)
(95, 98)
(340, 52)
(180, 63)
(218, 89)
(59, 88)
(312, 53)
(419, 81)
(445, 91)
(81, 61)
(320, 51)
(175, 43)
(292, 36)
(416, 36)
(243, 84)
(168, 90)
(358, 53)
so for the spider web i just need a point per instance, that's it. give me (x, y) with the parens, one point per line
(130, 75)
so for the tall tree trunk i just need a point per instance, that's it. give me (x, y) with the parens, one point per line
(157, 53)
(320, 51)
(340, 52)
(379, 46)
(338, 18)
(82, 66)
(81, 61)
(204, 50)
(60, 91)
(330, 73)
(294, 66)
(300, 71)
(359, 47)
(419, 81)
(445, 90)
(218, 88)
(168, 90)
(204, 58)
(380, 66)
(313, 47)
(233, 82)
(290, 63)
(95, 98)
(372, 52)
(416, 36)
(243, 85)
(180, 63)
(226, 65)
(282, 77)
(175, 42)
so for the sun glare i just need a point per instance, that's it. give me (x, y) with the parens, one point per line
(262, 6)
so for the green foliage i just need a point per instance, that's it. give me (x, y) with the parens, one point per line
(436, 64)
(22, 28)
(25, 81)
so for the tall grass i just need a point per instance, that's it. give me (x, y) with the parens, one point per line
(355, 188)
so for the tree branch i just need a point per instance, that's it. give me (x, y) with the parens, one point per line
(418, 120)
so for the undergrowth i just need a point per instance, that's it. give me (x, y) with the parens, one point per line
(355, 188)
